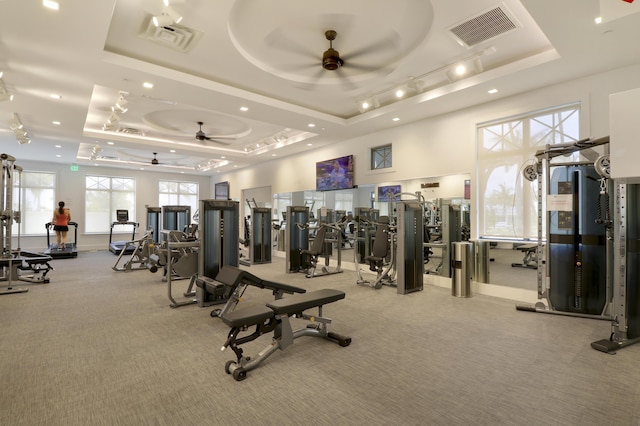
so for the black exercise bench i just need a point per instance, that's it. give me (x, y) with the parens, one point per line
(275, 316)
(530, 259)
(229, 286)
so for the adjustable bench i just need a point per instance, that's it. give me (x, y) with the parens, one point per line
(275, 316)
(229, 286)
(530, 259)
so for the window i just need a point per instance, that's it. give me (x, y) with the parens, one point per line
(344, 201)
(104, 195)
(381, 157)
(34, 196)
(178, 194)
(507, 203)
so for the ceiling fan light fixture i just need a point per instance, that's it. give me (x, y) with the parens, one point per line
(331, 60)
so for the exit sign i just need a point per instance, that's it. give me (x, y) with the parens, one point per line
(74, 167)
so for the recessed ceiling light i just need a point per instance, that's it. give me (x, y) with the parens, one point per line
(111, 143)
(399, 93)
(49, 4)
(57, 123)
(311, 125)
(55, 96)
(309, 144)
(58, 146)
(58, 155)
(141, 168)
(395, 119)
(492, 91)
(598, 20)
(244, 108)
(172, 150)
(273, 155)
(147, 85)
(223, 157)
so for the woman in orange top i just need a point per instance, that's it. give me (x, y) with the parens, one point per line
(61, 218)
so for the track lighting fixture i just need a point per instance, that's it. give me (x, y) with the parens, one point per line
(369, 103)
(18, 129)
(435, 78)
(4, 95)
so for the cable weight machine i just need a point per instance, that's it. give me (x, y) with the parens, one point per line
(574, 280)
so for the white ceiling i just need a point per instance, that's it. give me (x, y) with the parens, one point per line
(266, 55)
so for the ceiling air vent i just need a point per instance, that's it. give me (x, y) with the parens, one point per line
(174, 36)
(131, 131)
(485, 26)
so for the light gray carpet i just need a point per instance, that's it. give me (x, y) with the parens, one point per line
(99, 347)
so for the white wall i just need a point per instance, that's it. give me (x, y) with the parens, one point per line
(442, 145)
(70, 189)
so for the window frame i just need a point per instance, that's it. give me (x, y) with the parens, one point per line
(384, 151)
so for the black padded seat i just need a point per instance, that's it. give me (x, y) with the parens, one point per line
(302, 302)
(248, 316)
(232, 276)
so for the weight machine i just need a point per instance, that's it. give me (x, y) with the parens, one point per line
(625, 313)
(296, 238)
(574, 279)
(327, 233)
(13, 262)
(398, 251)
(219, 241)
(153, 223)
(257, 234)
(176, 218)
(365, 219)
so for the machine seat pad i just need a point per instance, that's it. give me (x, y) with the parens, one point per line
(301, 302)
(247, 316)
(232, 276)
(273, 285)
(374, 258)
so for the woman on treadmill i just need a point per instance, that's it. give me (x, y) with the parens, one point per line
(61, 218)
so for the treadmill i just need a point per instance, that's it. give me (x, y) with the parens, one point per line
(122, 219)
(71, 248)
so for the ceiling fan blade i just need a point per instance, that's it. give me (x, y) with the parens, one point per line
(345, 82)
(311, 84)
(278, 40)
(218, 141)
(389, 42)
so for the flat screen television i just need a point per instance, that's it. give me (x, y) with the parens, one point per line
(387, 192)
(333, 174)
(222, 191)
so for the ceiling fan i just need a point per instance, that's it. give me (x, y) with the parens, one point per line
(202, 136)
(361, 59)
(331, 60)
(155, 161)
